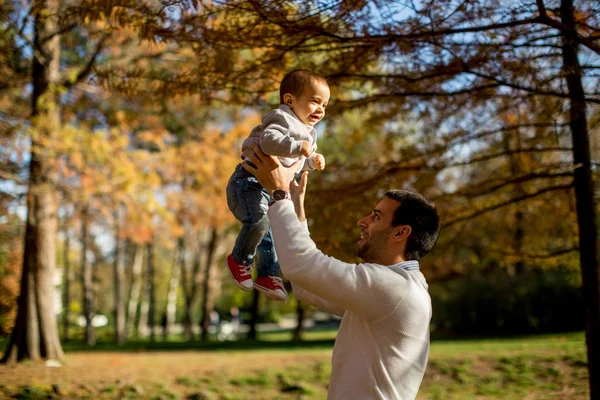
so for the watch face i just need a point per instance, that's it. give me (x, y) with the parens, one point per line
(279, 195)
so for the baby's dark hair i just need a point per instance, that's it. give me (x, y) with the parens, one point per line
(293, 82)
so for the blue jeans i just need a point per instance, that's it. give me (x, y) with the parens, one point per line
(249, 203)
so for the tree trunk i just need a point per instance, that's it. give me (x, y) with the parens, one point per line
(516, 169)
(584, 195)
(151, 294)
(253, 314)
(87, 279)
(66, 294)
(119, 277)
(207, 300)
(136, 288)
(190, 288)
(170, 311)
(24, 339)
(185, 286)
(144, 308)
(35, 334)
(300, 312)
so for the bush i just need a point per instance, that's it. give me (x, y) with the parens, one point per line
(499, 305)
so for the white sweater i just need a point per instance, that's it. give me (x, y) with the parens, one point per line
(382, 346)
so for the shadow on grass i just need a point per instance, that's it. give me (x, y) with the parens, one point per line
(107, 344)
(242, 344)
(272, 340)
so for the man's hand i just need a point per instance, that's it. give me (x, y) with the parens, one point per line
(269, 171)
(318, 161)
(306, 148)
(298, 191)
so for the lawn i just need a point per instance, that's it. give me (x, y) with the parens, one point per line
(541, 367)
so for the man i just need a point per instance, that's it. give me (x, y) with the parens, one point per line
(382, 346)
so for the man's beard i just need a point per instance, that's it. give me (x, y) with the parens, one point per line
(371, 250)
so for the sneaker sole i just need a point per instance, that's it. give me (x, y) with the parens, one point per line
(270, 293)
(235, 280)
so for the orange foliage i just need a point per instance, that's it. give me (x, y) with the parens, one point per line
(9, 285)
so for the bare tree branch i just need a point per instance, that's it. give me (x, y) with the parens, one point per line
(485, 188)
(534, 256)
(89, 65)
(8, 176)
(59, 32)
(571, 33)
(506, 203)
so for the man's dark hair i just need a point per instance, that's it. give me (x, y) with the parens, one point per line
(420, 214)
(293, 82)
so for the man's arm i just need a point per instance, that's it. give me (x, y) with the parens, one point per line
(370, 290)
(307, 297)
(297, 192)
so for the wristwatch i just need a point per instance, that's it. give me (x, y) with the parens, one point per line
(279, 194)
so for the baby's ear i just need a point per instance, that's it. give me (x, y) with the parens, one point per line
(288, 99)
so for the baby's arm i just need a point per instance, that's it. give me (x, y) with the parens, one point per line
(316, 161)
(249, 142)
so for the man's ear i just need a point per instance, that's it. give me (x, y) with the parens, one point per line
(401, 232)
(288, 99)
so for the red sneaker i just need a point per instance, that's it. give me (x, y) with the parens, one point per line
(272, 286)
(241, 274)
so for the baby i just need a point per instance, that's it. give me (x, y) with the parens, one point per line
(288, 133)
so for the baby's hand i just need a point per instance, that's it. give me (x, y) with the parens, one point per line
(319, 161)
(306, 148)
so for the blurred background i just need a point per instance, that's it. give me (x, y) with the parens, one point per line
(121, 122)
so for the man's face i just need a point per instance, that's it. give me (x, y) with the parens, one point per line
(310, 105)
(376, 231)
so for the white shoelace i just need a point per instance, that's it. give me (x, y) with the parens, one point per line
(245, 270)
(277, 281)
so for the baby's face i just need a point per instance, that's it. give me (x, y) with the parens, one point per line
(310, 105)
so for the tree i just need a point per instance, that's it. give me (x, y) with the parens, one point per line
(87, 290)
(207, 301)
(299, 329)
(151, 290)
(35, 334)
(119, 280)
(135, 290)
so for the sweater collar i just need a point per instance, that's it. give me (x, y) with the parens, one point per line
(410, 265)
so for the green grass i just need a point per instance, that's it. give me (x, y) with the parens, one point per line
(525, 344)
(536, 367)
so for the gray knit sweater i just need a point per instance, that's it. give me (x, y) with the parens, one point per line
(281, 134)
